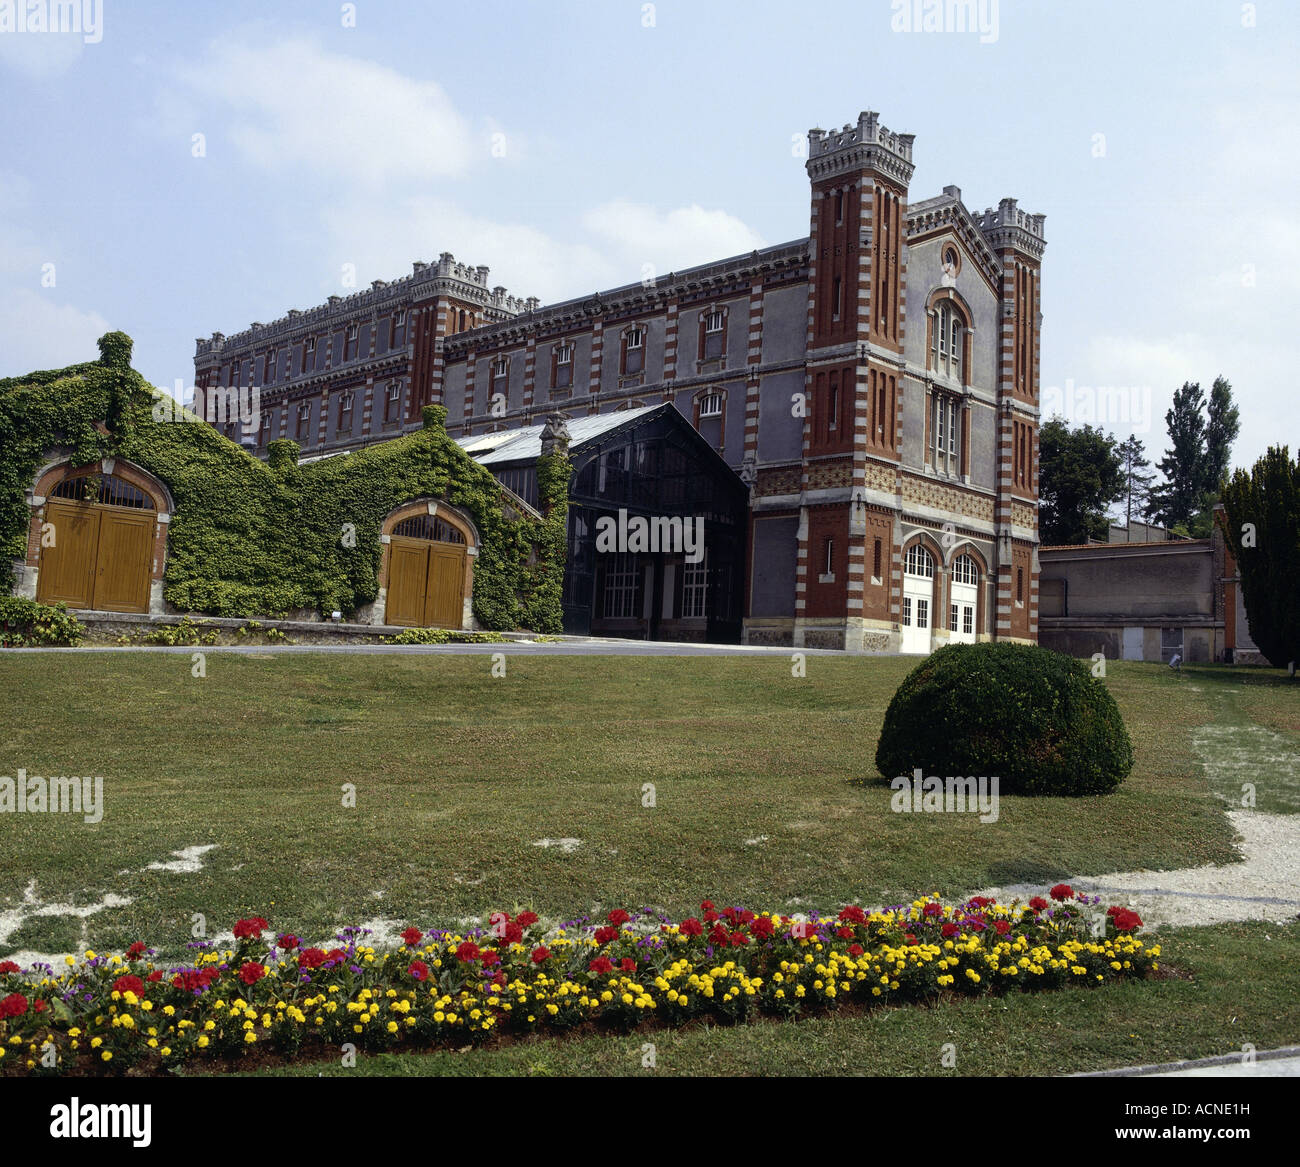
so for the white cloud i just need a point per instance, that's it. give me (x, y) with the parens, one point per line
(639, 234)
(39, 333)
(294, 104)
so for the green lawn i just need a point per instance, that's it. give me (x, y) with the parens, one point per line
(765, 789)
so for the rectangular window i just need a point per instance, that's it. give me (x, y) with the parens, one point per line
(835, 298)
(907, 611)
(833, 413)
(345, 413)
(952, 617)
(304, 417)
(350, 342)
(393, 404)
(715, 325)
(268, 369)
(620, 587)
(828, 556)
(967, 619)
(268, 419)
(922, 613)
(875, 561)
(308, 353)
(695, 579)
(1020, 585)
(562, 366)
(397, 328)
(633, 351)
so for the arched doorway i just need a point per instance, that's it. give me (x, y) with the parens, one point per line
(963, 600)
(97, 544)
(426, 573)
(918, 600)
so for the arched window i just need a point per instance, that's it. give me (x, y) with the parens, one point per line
(107, 489)
(947, 339)
(919, 562)
(964, 570)
(428, 527)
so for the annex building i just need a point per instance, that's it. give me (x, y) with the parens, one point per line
(872, 386)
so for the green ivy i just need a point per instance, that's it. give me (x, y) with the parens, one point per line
(27, 624)
(249, 538)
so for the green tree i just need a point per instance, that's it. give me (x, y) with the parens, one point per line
(1137, 478)
(1079, 476)
(1181, 494)
(1222, 425)
(1261, 523)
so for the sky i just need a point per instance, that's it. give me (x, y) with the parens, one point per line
(171, 170)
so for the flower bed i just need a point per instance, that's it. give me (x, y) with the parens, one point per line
(283, 998)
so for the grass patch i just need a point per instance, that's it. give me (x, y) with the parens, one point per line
(764, 787)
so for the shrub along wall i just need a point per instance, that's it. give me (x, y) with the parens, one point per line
(250, 538)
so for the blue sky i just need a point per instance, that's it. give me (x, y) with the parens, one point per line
(566, 143)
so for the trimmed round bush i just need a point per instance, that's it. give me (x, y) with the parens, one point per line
(1036, 720)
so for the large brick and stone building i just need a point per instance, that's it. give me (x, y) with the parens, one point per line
(874, 384)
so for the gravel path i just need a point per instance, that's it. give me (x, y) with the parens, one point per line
(1266, 886)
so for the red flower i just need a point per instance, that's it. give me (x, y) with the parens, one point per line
(514, 933)
(136, 949)
(844, 933)
(910, 938)
(949, 929)
(14, 1005)
(855, 949)
(419, 970)
(605, 935)
(718, 934)
(336, 955)
(38, 1006)
(1062, 892)
(311, 958)
(1002, 926)
(193, 980)
(499, 977)
(618, 916)
(252, 972)
(540, 954)
(932, 909)
(526, 919)
(129, 984)
(411, 937)
(706, 906)
(8, 966)
(467, 951)
(489, 956)
(980, 902)
(1038, 904)
(154, 976)
(853, 915)
(763, 927)
(691, 927)
(289, 942)
(737, 938)
(250, 929)
(601, 965)
(1126, 920)
(627, 964)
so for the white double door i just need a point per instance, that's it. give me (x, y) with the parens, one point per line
(918, 614)
(962, 603)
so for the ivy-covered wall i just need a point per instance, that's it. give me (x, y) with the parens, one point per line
(249, 538)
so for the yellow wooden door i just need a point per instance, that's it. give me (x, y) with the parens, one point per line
(444, 598)
(69, 544)
(124, 560)
(408, 573)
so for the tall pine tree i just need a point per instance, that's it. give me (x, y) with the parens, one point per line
(1137, 478)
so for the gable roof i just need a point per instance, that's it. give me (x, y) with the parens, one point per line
(525, 444)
